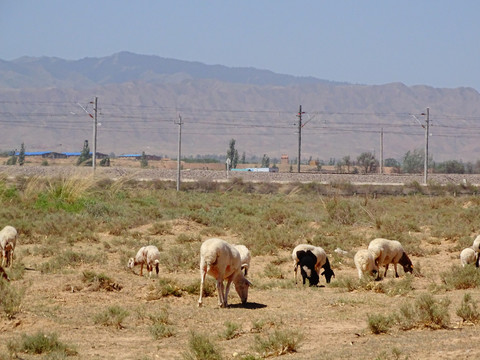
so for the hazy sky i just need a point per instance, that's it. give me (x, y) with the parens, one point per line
(433, 42)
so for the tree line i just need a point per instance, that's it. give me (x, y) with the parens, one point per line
(412, 162)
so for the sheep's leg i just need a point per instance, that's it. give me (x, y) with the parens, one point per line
(227, 289)
(386, 269)
(141, 269)
(395, 267)
(295, 271)
(203, 273)
(156, 269)
(221, 297)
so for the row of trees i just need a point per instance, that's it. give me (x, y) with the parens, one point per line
(412, 162)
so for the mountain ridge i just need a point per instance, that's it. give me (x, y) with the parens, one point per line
(142, 97)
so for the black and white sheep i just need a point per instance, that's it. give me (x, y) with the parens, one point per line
(387, 252)
(307, 262)
(245, 257)
(322, 261)
(8, 241)
(146, 255)
(468, 256)
(222, 261)
(365, 263)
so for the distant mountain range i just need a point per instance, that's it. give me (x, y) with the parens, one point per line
(141, 99)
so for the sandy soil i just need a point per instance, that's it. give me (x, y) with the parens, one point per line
(333, 321)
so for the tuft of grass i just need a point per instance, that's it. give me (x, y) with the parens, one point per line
(10, 299)
(468, 309)
(459, 277)
(431, 313)
(161, 326)
(279, 342)
(69, 258)
(231, 330)
(41, 343)
(161, 228)
(273, 271)
(379, 324)
(113, 316)
(426, 311)
(100, 281)
(181, 257)
(200, 347)
(165, 287)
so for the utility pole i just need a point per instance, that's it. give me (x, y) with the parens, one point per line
(381, 152)
(94, 152)
(179, 150)
(427, 130)
(299, 137)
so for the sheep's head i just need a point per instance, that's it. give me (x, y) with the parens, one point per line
(241, 286)
(131, 263)
(408, 268)
(328, 273)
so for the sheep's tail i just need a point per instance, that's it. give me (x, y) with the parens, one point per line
(157, 262)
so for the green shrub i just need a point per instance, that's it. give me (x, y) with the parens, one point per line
(200, 347)
(424, 312)
(40, 343)
(113, 316)
(10, 298)
(279, 342)
(340, 211)
(431, 313)
(231, 330)
(468, 309)
(165, 287)
(379, 324)
(459, 277)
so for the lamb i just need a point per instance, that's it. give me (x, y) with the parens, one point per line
(307, 262)
(222, 261)
(389, 252)
(244, 257)
(148, 255)
(322, 261)
(8, 241)
(365, 263)
(468, 256)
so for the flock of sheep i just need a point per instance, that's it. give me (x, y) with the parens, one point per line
(225, 261)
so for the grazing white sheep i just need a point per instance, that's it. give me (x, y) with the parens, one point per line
(322, 261)
(365, 263)
(245, 257)
(468, 256)
(222, 261)
(389, 252)
(8, 241)
(147, 255)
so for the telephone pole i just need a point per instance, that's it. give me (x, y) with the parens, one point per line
(94, 151)
(179, 150)
(299, 137)
(381, 152)
(427, 130)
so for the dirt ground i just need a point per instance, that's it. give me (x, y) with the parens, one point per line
(333, 321)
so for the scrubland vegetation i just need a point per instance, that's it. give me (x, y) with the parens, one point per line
(79, 233)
